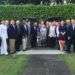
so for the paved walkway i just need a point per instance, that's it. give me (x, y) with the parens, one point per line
(46, 65)
(33, 52)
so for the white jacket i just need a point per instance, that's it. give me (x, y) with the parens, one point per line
(3, 31)
(52, 31)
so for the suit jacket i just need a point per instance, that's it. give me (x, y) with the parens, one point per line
(73, 33)
(33, 32)
(12, 32)
(47, 32)
(70, 32)
(19, 32)
(24, 31)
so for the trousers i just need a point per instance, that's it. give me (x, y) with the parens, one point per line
(4, 46)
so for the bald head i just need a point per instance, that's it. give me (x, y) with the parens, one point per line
(6, 22)
(68, 21)
(17, 22)
(73, 21)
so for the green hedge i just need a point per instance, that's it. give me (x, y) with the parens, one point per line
(38, 11)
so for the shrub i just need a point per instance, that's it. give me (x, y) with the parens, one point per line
(38, 11)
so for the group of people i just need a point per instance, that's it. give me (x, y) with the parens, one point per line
(21, 35)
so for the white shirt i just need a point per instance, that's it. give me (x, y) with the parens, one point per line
(57, 31)
(3, 31)
(73, 27)
(52, 31)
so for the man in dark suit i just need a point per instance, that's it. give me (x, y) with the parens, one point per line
(12, 35)
(47, 37)
(19, 35)
(33, 34)
(73, 33)
(68, 35)
(28, 37)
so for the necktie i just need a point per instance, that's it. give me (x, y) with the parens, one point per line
(14, 26)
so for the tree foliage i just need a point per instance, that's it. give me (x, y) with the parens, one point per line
(32, 1)
(37, 11)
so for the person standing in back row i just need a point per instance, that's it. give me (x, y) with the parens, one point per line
(52, 34)
(28, 37)
(33, 35)
(43, 32)
(19, 35)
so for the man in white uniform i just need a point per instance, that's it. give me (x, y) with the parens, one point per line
(4, 36)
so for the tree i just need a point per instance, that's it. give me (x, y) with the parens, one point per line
(35, 1)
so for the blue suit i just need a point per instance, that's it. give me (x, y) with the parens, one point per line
(12, 32)
(73, 37)
(70, 37)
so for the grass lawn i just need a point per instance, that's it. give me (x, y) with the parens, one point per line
(70, 61)
(10, 65)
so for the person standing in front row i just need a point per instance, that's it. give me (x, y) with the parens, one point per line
(12, 35)
(62, 36)
(4, 37)
(68, 35)
(7, 24)
(73, 34)
(24, 31)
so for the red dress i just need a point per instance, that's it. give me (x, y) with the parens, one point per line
(62, 37)
(62, 30)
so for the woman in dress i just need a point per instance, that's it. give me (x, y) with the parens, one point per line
(62, 36)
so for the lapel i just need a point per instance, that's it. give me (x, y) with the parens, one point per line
(25, 27)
